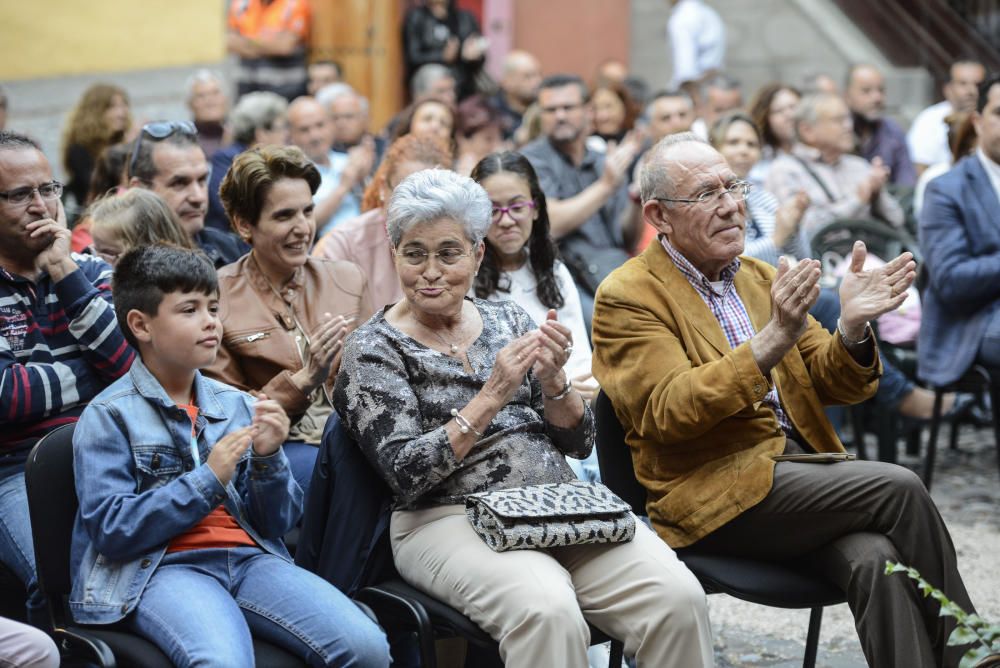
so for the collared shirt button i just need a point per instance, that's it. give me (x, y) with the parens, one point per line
(145, 563)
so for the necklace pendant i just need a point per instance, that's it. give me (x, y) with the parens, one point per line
(454, 349)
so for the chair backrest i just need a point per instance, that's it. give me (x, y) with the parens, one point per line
(344, 537)
(881, 239)
(615, 457)
(52, 504)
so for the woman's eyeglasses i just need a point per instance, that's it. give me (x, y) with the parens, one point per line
(418, 256)
(516, 211)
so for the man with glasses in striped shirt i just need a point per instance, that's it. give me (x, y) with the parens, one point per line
(59, 340)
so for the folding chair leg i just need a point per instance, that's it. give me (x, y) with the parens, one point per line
(932, 439)
(812, 638)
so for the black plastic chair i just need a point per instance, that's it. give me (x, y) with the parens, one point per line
(52, 505)
(778, 585)
(977, 380)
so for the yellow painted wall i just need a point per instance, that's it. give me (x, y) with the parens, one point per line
(62, 37)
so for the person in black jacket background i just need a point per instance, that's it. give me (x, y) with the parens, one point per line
(437, 31)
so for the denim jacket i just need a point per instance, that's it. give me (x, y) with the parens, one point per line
(138, 487)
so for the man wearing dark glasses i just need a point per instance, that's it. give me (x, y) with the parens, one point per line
(168, 160)
(59, 340)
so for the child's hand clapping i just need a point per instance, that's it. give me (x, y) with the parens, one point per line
(270, 425)
(227, 452)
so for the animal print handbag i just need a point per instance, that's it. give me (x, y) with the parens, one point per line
(550, 515)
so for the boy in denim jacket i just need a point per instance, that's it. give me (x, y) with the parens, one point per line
(185, 493)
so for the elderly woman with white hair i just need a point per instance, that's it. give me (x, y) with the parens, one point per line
(450, 395)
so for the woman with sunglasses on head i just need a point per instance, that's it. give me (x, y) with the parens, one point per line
(520, 264)
(363, 240)
(284, 314)
(471, 396)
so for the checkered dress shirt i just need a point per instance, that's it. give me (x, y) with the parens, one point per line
(728, 309)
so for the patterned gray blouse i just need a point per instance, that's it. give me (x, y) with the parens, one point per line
(395, 396)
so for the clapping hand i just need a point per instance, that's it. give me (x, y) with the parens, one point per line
(555, 346)
(865, 295)
(269, 427)
(793, 292)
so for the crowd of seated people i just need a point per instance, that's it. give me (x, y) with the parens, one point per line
(458, 287)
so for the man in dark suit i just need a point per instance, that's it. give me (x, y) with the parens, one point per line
(960, 237)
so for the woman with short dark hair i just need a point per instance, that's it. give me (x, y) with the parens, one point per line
(285, 314)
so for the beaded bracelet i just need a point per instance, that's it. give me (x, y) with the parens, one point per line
(464, 425)
(567, 388)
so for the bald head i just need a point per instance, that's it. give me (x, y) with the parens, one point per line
(865, 92)
(521, 76)
(657, 178)
(309, 128)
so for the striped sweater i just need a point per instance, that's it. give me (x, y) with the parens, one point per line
(59, 346)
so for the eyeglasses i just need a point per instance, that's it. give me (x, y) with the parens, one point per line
(709, 199)
(418, 256)
(50, 190)
(159, 131)
(516, 211)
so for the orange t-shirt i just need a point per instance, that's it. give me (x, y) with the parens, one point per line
(251, 18)
(218, 528)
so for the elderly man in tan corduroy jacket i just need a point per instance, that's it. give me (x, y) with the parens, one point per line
(715, 369)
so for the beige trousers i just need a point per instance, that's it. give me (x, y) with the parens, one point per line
(536, 603)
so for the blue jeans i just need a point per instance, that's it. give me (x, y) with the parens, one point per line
(201, 607)
(16, 549)
(588, 470)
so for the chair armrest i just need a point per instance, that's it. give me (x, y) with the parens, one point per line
(395, 610)
(77, 643)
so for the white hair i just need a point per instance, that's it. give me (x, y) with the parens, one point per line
(330, 93)
(433, 194)
(425, 76)
(200, 77)
(259, 109)
(654, 178)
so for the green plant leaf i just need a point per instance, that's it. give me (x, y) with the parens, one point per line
(973, 656)
(962, 636)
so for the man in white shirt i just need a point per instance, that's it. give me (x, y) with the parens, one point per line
(927, 139)
(697, 42)
(342, 173)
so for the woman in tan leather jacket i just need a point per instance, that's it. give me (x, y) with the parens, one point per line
(284, 314)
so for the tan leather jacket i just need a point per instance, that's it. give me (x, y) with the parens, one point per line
(258, 350)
